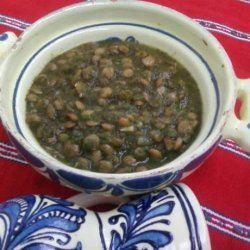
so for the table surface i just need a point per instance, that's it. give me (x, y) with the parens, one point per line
(222, 183)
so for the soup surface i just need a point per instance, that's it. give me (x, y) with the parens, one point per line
(114, 107)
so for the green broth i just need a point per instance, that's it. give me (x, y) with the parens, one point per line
(114, 107)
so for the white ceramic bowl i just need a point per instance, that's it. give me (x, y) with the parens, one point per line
(150, 24)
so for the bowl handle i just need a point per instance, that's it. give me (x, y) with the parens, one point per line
(7, 39)
(239, 129)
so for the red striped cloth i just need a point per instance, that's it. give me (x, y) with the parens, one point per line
(222, 184)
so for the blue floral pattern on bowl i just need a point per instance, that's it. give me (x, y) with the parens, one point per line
(139, 185)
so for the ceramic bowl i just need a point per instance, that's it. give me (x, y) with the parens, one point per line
(151, 24)
(149, 222)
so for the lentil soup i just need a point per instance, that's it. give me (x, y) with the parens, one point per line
(114, 107)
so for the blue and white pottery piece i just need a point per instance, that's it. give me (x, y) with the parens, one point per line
(154, 25)
(168, 219)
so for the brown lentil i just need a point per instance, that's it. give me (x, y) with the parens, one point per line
(32, 97)
(79, 105)
(129, 160)
(105, 166)
(154, 153)
(51, 111)
(108, 72)
(128, 73)
(83, 163)
(124, 122)
(107, 149)
(148, 61)
(141, 168)
(105, 92)
(95, 156)
(107, 126)
(91, 142)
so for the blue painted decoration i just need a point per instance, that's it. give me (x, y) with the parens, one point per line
(4, 37)
(39, 222)
(150, 222)
(139, 185)
(141, 222)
